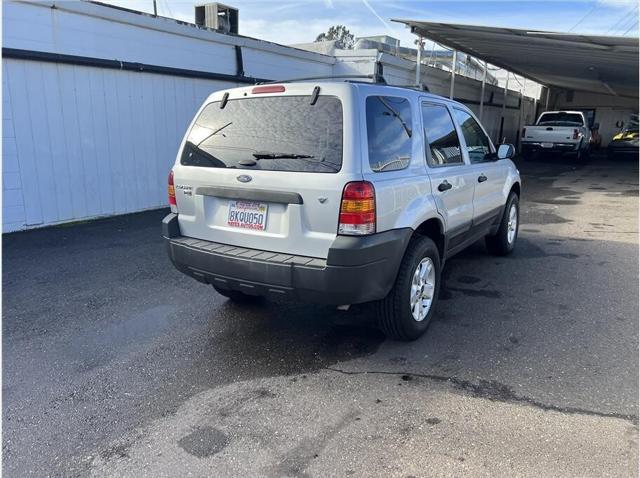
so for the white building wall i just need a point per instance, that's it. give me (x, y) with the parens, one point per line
(82, 142)
(90, 141)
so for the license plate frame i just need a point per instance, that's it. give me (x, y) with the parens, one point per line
(251, 215)
(546, 145)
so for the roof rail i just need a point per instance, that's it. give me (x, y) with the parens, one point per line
(375, 78)
(422, 87)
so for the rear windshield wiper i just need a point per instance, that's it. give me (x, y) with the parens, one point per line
(306, 157)
(272, 155)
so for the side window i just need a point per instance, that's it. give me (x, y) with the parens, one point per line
(388, 132)
(478, 145)
(441, 136)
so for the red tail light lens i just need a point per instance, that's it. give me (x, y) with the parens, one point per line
(357, 209)
(268, 89)
(576, 133)
(172, 193)
(524, 131)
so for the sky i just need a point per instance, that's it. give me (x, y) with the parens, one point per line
(290, 22)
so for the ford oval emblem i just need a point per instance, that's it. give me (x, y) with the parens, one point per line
(244, 178)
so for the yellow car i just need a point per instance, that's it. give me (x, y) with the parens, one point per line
(625, 143)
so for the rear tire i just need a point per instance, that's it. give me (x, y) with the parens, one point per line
(237, 296)
(406, 312)
(503, 241)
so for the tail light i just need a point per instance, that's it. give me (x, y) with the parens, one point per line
(524, 131)
(576, 133)
(357, 209)
(172, 193)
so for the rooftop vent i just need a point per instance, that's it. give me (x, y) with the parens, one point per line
(217, 16)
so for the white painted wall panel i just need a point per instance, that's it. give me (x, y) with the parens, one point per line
(23, 130)
(90, 142)
(13, 213)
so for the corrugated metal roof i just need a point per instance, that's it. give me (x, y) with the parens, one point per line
(602, 64)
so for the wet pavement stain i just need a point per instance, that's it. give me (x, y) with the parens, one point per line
(489, 294)
(204, 442)
(558, 202)
(468, 279)
(529, 250)
(120, 450)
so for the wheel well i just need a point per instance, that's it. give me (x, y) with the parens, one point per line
(432, 228)
(516, 188)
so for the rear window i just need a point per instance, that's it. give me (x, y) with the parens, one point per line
(561, 119)
(277, 133)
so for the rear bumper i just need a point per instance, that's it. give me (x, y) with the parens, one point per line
(623, 147)
(556, 148)
(357, 269)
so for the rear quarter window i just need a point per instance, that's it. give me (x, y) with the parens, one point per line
(389, 132)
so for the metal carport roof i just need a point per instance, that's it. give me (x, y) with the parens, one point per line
(602, 64)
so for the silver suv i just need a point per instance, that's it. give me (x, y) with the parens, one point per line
(339, 193)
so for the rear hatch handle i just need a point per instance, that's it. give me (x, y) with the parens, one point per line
(283, 197)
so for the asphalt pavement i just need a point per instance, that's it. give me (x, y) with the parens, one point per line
(115, 364)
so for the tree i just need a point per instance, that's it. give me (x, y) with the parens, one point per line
(344, 38)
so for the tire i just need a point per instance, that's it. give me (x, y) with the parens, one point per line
(500, 244)
(237, 296)
(394, 312)
(581, 155)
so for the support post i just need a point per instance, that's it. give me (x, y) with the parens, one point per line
(504, 106)
(524, 84)
(546, 102)
(484, 81)
(453, 74)
(419, 63)
(155, 8)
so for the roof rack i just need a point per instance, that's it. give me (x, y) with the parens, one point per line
(422, 87)
(376, 79)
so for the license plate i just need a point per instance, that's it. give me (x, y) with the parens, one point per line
(248, 215)
(547, 145)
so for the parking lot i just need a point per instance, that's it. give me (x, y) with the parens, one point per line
(115, 364)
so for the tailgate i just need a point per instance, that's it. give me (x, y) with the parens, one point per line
(267, 171)
(549, 134)
(300, 210)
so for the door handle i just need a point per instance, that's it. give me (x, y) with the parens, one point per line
(444, 186)
(482, 178)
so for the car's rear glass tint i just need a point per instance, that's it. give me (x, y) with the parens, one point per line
(277, 133)
(561, 119)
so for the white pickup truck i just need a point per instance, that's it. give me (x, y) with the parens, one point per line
(559, 132)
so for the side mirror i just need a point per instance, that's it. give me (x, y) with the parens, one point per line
(506, 151)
